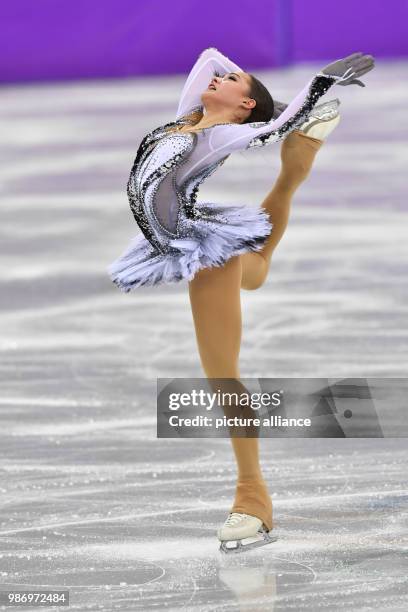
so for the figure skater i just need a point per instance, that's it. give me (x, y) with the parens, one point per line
(220, 249)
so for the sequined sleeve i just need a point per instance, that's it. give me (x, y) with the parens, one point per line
(234, 136)
(211, 62)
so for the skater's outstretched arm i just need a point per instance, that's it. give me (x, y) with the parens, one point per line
(238, 136)
(210, 63)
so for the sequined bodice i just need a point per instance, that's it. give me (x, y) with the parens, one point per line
(170, 165)
(165, 177)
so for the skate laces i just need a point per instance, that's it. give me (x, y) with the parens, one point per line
(233, 519)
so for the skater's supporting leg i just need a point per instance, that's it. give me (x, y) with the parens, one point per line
(298, 152)
(253, 493)
(216, 307)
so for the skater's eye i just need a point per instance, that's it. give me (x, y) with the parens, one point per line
(217, 74)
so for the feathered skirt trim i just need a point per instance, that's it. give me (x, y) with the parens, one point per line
(221, 232)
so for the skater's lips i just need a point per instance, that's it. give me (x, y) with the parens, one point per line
(211, 86)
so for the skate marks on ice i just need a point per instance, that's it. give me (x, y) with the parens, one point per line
(141, 534)
(126, 520)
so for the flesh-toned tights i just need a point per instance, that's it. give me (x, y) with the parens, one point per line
(216, 308)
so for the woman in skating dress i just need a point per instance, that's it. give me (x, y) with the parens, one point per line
(220, 249)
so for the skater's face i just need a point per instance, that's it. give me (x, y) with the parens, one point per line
(230, 92)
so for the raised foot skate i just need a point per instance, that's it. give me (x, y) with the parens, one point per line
(242, 532)
(322, 120)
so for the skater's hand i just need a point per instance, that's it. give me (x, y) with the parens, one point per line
(278, 109)
(350, 67)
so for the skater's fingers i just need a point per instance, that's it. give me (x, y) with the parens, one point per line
(280, 104)
(352, 82)
(351, 66)
(363, 62)
(361, 72)
(357, 82)
(356, 59)
(364, 69)
(361, 69)
(353, 56)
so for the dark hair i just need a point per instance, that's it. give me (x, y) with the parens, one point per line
(265, 106)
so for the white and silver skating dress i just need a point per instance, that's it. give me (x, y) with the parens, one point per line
(179, 235)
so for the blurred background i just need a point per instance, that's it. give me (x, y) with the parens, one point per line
(57, 39)
(91, 499)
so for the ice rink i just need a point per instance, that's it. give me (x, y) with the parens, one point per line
(92, 501)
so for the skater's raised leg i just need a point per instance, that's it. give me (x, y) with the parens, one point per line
(298, 152)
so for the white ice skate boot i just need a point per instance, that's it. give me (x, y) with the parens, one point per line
(241, 532)
(322, 120)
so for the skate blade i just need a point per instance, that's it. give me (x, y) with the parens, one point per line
(238, 546)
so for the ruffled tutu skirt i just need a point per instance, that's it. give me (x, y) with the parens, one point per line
(220, 232)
